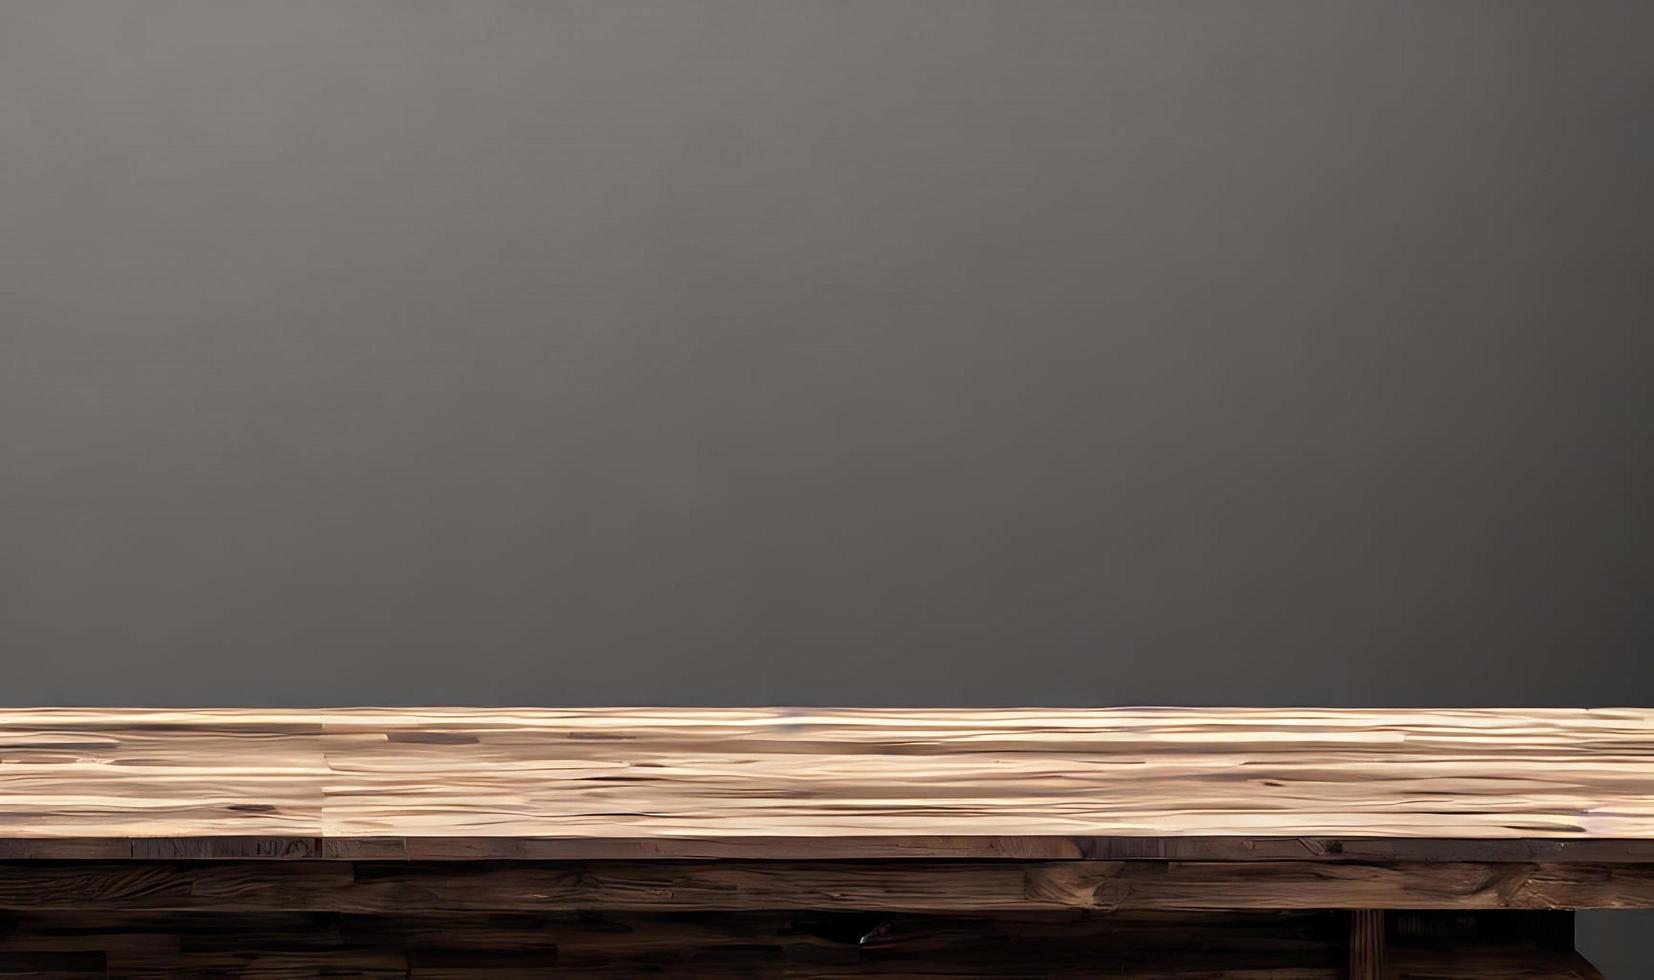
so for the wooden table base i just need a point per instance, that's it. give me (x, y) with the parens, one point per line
(1298, 944)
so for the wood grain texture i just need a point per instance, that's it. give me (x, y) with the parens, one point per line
(879, 886)
(1327, 849)
(1367, 944)
(816, 843)
(544, 784)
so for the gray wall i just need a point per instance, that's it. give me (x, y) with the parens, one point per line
(887, 352)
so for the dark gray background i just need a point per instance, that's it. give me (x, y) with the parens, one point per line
(881, 353)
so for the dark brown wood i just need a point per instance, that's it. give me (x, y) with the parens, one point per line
(1328, 849)
(1303, 945)
(1367, 944)
(1331, 849)
(940, 886)
(1423, 945)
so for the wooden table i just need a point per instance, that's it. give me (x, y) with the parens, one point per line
(814, 842)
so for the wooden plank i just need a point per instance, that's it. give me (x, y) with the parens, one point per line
(1022, 848)
(1329, 849)
(942, 886)
(718, 783)
(1367, 944)
(64, 848)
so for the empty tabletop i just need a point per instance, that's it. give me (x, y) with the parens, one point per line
(807, 782)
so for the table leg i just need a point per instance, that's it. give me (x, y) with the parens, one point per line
(1367, 942)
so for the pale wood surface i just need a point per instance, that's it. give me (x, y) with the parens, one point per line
(345, 782)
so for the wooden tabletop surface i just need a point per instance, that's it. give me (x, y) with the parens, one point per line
(803, 782)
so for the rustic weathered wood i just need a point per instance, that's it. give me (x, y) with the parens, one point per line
(1328, 849)
(539, 784)
(941, 886)
(806, 842)
(1367, 944)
